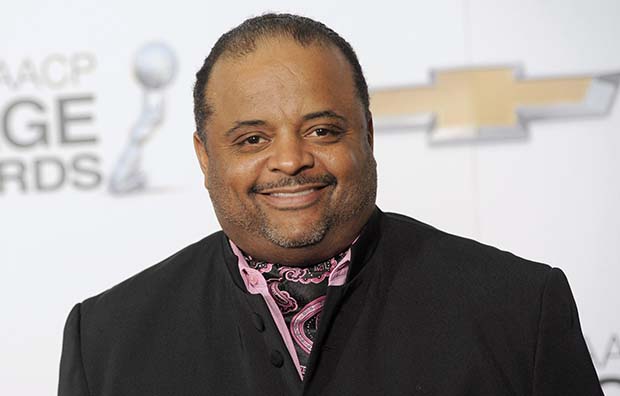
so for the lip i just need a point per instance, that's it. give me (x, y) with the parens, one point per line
(292, 198)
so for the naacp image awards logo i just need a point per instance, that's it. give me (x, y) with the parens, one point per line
(49, 137)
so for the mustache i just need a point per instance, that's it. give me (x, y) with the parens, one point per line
(327, 179)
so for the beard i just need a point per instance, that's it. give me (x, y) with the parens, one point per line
(351, 203)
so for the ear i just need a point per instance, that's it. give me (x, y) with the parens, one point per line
(371, 131)
(203, 158)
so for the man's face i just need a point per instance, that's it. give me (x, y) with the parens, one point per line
(288, 160)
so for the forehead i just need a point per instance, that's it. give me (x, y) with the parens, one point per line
(281, 78)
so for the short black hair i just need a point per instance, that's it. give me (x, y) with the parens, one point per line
(242, 40)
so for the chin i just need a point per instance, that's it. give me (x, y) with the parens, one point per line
(296, 236)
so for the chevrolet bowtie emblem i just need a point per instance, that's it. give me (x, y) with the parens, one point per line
(489, 103)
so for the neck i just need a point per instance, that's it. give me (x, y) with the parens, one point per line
(335, 241)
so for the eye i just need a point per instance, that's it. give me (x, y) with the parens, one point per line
(253, 140)
(325, 134)
(321, 132)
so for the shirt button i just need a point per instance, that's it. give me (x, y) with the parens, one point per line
(276, 358)
(258, 322)
(253, 280)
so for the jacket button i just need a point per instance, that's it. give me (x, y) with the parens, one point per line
(276, 358)
(258, 322)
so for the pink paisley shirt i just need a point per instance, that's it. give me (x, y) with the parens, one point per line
(255, 283)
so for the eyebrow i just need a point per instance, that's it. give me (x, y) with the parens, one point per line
(240, 124)
(324, 114)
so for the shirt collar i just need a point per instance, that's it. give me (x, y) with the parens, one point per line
(254, 281)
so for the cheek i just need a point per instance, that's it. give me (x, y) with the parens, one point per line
(346, 165)
(232, 174)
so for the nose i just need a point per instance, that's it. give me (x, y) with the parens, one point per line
(290, 155)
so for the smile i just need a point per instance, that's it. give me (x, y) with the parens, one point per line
(292, 194)
(299, 197)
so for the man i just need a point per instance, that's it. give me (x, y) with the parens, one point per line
(310, 289)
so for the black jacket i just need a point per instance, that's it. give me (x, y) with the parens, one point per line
(422, 313)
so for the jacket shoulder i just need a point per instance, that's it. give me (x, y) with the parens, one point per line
(163, 280)
(511, 317)
(455, 249)
(477, 269)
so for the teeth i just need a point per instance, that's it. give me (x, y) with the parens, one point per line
(295, 194)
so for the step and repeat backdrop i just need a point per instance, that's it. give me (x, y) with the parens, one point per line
(496, 120)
